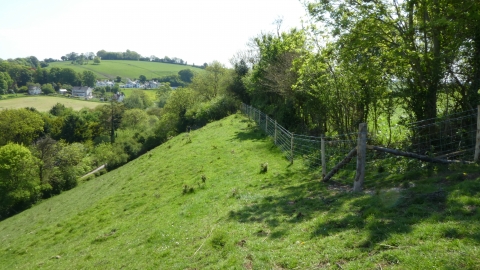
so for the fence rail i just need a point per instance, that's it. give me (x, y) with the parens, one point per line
(452, 138)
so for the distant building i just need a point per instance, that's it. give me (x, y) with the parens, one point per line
(132, 84)
(119, 97)
(34, 90)
(82, 91)
(104, 83)
(62, 91)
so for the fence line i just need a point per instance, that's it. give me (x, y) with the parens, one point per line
(453, 136)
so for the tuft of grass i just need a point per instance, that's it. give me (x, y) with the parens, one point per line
(264, 167)
(136, 217)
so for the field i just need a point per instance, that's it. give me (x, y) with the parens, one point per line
(45, 103)
(110, 69)
(201, 201)
(152, 93)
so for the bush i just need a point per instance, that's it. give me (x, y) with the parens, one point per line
(212, 110)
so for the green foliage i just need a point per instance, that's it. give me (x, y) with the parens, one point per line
(19, 126)
(88, 78)
(215, 109)
(136, 119)
(138, 99)
(163, 93)
(19, 183)
(212, 82)
(186, 75)
(48, 89)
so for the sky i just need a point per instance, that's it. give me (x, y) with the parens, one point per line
(197, 31)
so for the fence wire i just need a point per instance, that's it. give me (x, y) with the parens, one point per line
(449, 137)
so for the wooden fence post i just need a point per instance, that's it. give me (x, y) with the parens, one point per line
(275, 136)
(361, 156)
(266, 123)
(477, 141)
(324, 164)
(291, 149)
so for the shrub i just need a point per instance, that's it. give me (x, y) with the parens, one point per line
(212, 110)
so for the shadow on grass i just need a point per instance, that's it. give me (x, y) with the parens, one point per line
(380, 214)
(250, 134)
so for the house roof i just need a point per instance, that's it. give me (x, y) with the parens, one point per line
(82, 88)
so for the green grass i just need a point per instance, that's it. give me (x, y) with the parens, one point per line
(110, 69)
(45, 103)
(152, 93)
(156, 212)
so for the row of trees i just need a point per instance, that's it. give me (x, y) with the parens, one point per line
(359, 60)
(17, 75)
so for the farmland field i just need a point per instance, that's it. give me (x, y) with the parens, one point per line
(151, 93)
(110, 69)
(45, 103)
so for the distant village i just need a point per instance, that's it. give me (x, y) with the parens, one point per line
(87, 92)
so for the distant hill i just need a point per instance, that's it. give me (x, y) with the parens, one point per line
(110, 69)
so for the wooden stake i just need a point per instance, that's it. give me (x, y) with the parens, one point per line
(477, 141)
(275, 132)
(291, 149)
(361, 156)
(340, 165)
(324, 164)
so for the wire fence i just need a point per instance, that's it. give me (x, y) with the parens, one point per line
(451, 137)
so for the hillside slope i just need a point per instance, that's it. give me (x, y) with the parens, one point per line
(199, 201)
(110, 69)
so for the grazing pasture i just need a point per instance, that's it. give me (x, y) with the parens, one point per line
(225, 197)
(45, 103)
(110, 69)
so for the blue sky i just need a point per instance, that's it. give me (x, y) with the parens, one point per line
(197, 31)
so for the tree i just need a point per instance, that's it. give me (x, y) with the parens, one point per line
(67, 159)
(209, 84)
(110, 117)
(118, 79)
(5, 82)
(88, 78)
(47, 89)
(18, 179)
(163, 93)
(186, 75)
(45, 149)
(75, 128)
(19, 126)
(237, 86)
(134, 118)
(68, 76)
(418, 42)
(96, 60)
(72, 56)
(142, 78)
(138, 99)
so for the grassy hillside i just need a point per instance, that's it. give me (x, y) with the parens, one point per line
(157, 213)
(45, 103)
(110, 69)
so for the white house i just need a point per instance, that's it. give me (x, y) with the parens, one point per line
(82, 91)
(34, 90)
(104, 83)
(132, 84)
(62, 91)
(150, 85)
